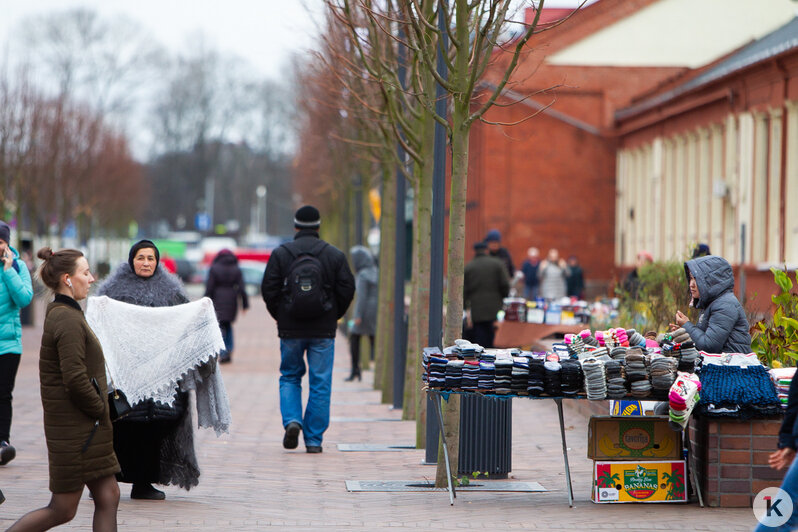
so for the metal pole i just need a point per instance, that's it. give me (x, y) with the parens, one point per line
(358, 210)
(452, 493)
(435, 336)
(399, 353)
(742, 263)
(565, 454)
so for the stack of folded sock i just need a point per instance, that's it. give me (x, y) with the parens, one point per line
(588, 338)
(618, 353)
(470, 378)
(536, 373)
(487, 375)
(595, 378)
(520, 375)
(782, 378)
(616, 382)
(454, 374)
(635, 338)
(680, 336)
(575, 344)
(436, 370)
(682, 399)
(637, 373)
(663, 372)
(503, 378)
(688, 356)
(571, 377)
(552, 379)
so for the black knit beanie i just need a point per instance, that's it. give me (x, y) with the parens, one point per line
(5, 232)
(143, 244)
(307, 217)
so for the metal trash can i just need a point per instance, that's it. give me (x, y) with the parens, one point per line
(486, 427)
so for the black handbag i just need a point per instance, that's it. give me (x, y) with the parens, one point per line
(118, 405)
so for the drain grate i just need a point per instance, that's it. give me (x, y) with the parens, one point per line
(374, 447)
(361, 419)
(414, 485)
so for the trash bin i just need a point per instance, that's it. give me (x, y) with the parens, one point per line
(486, 425)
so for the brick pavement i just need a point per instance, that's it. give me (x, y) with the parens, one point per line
(249, 482)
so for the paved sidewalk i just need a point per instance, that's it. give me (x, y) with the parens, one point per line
(249, 482)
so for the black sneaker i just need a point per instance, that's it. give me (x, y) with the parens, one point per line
(147, 492)
(313, 449)
(7, 452)
(291, 438)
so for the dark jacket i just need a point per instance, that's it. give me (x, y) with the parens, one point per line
(503, 255)
(788, 434)
(530, 273)
(225, 285)
(722, 326)
(485, 285)
(70, 362)
(575, 282)
(338, 279)
(366, 286)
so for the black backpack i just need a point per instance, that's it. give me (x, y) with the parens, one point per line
(305, 293)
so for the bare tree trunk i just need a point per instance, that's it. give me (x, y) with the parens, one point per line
(384, 339)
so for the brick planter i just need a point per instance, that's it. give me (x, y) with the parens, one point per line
(731, 458)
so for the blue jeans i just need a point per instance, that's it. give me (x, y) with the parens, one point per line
(790, 485)
(227, 335)
(321, 352)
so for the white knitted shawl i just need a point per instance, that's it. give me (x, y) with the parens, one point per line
(150, 350)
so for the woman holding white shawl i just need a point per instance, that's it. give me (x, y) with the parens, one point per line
(155, 442)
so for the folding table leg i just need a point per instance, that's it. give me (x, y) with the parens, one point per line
(452, 493)
(565, 453)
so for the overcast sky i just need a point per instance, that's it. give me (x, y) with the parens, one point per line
(264, 32)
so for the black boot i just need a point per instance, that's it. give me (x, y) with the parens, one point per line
(354, 375)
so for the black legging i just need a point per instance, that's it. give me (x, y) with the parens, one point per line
(9, 363)
(354, 350)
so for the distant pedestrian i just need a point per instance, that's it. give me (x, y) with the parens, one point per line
(553, 272)
(631, 285)
(364, 316)
(307, 287)
(77, 426)
(225, 285)
(575, 283)
(495, 249)
(16, 292)
(485, 285)
(530, 269)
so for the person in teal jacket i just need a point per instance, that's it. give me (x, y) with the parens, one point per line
(16, 291)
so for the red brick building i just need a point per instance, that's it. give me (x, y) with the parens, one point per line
(550, 181)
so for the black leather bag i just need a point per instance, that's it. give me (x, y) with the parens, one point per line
(118, 405)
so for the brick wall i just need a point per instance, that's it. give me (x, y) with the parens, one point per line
(731, 459)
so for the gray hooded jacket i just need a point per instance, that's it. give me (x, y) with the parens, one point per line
(722, 326)
(366, 286)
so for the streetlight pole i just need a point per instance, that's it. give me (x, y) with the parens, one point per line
(261, 192)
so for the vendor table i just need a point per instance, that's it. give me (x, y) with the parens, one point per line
(437, 395)
(521, 333)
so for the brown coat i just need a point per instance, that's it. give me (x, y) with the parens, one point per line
(69, 358)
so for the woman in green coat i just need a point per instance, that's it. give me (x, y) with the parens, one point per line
(74, 399)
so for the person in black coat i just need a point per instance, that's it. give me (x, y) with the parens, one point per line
(307, 287)
(224, 286)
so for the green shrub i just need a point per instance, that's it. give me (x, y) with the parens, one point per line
(775, 340)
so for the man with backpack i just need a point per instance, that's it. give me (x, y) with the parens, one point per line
(307, 287)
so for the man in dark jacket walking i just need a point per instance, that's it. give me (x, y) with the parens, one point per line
(485, 285)
(307, 287)
(225, 285)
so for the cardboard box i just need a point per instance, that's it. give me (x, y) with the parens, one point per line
(632, 438)
(617, 482)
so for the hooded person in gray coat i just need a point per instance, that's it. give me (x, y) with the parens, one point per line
(364, 316)
(722, 326)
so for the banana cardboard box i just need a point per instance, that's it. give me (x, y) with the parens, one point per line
(615, 482)
(632, 438)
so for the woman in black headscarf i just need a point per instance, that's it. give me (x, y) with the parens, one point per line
(155, 442)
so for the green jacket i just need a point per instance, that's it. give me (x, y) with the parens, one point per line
(485, 285)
